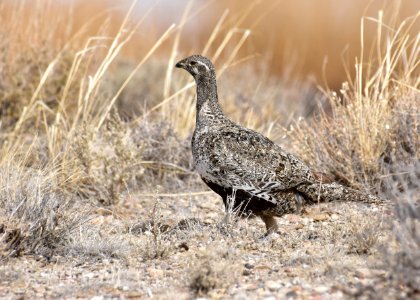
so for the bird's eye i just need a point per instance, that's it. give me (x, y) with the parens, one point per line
(193, 63)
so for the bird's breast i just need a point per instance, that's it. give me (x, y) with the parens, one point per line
(201, 150)
(208, 172)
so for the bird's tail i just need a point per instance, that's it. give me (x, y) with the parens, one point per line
(327, 192)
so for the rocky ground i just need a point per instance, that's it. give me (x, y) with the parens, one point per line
(187, 248)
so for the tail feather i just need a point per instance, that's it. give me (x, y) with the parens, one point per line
(328, 192)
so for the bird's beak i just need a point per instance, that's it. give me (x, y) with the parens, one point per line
(180, 65)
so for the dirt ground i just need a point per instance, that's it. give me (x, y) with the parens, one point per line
(187, 248)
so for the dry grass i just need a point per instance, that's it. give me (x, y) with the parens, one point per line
(373, 123)
(214, 268)
(96, 173)
(403, 187)
(36, 216)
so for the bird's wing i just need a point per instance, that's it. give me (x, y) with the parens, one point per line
(246, 160)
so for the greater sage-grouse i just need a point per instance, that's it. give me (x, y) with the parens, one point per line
(253, 175)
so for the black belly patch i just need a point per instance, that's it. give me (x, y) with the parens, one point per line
(244, 203)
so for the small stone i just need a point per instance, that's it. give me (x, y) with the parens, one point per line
(249, 266)
(273, 285)
(183, 246)
(246, 272)
(305, 221)
(132, 295)
(335, 217)
(240, 296)
(321, 289)
(365, 273)
(319, 217)
(89, 275)
(104, 212)
(291, 295)
(299, 226)
(251, 287)
(262, 268)
(155, 273)
(292, 218)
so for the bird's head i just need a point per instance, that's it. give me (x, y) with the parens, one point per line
(198, 66)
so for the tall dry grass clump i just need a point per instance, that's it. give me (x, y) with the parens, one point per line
(370, 138)
(373, 124)
(35, 216)
(57, 123)
(57, 104)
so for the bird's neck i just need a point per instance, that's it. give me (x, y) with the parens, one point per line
(207, 100)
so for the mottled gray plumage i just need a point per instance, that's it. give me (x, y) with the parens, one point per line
(240, 164)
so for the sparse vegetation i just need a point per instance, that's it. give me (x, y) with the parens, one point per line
(374, 121)
(97, 186)
(36, 216)
(214, 268)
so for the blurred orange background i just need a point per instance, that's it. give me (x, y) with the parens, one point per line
(310, 37)
(306, 35)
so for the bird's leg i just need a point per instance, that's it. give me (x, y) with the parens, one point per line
(270, 224)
